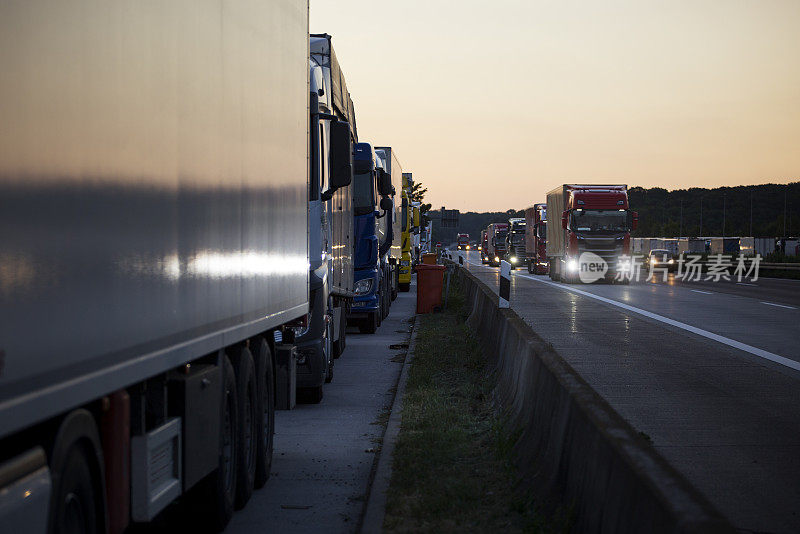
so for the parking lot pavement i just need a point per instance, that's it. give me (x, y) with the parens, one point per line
(324, 453)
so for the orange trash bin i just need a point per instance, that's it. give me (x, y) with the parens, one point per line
(429, 258)
(429, 287)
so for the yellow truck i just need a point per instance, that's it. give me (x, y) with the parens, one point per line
(407, 235)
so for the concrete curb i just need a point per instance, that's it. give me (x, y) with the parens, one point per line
(574, 450)
(372, 522)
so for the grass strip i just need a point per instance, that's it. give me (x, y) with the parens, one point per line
(451, 468)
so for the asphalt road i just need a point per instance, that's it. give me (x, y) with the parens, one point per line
(710, 372)
(324, 453)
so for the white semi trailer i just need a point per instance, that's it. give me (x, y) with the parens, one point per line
(153, 254)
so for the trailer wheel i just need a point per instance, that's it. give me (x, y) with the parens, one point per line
(77, 500)
(213, 498)
(530, 267)
(265, 376)
(247, 428)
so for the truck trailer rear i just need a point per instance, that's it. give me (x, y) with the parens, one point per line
(153, 243)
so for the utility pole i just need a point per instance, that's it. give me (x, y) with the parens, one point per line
(701, 217)
(785, 193)
(723, 215)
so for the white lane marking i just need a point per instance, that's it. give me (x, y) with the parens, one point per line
(703, 292)
(779, 305)
(761, 353)
(746, 284)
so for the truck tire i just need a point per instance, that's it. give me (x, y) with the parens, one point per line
(311, 395)
(370, 324)
(265, 374)
(530, 267)
(77, 498)
(247, 428)
(214, 496)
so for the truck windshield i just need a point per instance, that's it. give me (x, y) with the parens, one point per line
(501, 235)
(363, 196)
(600, 220)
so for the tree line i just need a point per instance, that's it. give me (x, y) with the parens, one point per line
(751, 210)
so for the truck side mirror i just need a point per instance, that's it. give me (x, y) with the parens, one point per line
(384, 183)
(564, 216)
(387, 204)
(341, 151)
(634, 220)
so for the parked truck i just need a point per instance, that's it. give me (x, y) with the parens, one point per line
(388, 160)
(496, 237)
(330, 220)
(536, 239)
(594, 219)
(462, 241)
(515, 242)
(372, 210)
(153, 243)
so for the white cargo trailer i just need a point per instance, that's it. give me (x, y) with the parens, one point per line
(153, 254)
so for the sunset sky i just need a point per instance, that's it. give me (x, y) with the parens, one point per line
(492, 104)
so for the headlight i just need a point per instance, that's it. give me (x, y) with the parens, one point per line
(467, 247)
(480, 248)
(572, 265)
(513, 259)
(363, 286)
(654, 261)
(671, 261)
(496, 258)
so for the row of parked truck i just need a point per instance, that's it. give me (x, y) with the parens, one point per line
(593, 218)
(188, 223)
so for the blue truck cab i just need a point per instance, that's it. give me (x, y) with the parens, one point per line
(373, 239)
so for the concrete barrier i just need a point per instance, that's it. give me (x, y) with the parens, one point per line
(574, 452)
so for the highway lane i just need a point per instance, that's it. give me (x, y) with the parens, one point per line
(728, 419)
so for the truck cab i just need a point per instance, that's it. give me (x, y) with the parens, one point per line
(594, 219)
(463, 241)
(372, 216)
(330, 220)
(515, 242)
(496, 237)
(536, 238)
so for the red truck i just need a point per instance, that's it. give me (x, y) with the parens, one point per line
(463, 241)
(536, 238)
(594, 231)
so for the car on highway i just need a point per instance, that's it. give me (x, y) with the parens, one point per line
(660, 257)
